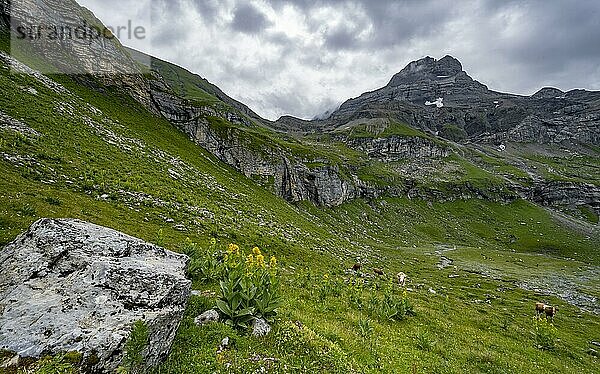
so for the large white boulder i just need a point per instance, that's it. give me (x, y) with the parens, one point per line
(68, 285)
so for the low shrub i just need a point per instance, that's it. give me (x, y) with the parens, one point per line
(546, 335)
(389, 305)
(205, 266)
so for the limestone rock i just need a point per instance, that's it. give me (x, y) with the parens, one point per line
(207, 317)
(260, 327)
(11, 362)
(68, 285)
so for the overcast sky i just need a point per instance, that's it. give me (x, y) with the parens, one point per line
(302, 57)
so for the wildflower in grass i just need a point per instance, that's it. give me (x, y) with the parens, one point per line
(260, 260)
(232, 248)
(326, 277)
(273, 262)
(250, 259)
(213, 241)
(256, 251)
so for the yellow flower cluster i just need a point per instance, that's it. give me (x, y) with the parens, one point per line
(260, 260)
(255, 258)
(233, 248)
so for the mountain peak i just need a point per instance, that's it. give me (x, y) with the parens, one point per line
(547, 93)
(427, 67)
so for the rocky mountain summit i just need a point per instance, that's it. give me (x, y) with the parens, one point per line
(425, 109)
(435, 95)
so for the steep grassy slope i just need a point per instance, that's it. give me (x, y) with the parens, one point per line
(83, 150)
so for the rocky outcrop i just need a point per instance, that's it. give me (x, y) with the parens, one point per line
(73, 41)
(67, 285)
(562, 193)
(583, 128)
(396, 148)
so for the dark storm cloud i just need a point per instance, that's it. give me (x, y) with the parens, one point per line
(301, 56)
(248, 19)
(343, 37)
(208, 9)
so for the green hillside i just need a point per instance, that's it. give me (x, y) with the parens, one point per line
(88, 151)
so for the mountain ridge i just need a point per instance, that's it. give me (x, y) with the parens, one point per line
(482, 227)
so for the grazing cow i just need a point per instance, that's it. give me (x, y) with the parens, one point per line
(356, 267)
(401, 279)
(550, 312)
(378, 271)
(539, 308)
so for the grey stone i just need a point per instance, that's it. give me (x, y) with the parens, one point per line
(207, 317)
(224, 344)
(260, 327)
(69, 285)
(12, 362)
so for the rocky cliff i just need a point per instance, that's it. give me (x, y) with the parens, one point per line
(66, 38)
(440, 109)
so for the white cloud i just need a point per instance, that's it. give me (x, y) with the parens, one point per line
(301, 57)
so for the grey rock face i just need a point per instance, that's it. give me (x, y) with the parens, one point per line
(207, 317)
(68, 285)
(292, 179)
(395, 148)
(260, 327)
(102, 56)
(548, 116)
(552, 193)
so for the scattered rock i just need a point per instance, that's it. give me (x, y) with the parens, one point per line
(453, 276)
(207, 317)
(69, 285)
(444, 262)
(592, 352)
(224, 344)
(207, 293)
(431, 290)
(260, 327)
(12, 362)
(597, 344)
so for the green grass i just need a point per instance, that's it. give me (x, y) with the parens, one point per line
(384, 130)
(588, 213)
(135, 172)
(576, 169)
(503, 167)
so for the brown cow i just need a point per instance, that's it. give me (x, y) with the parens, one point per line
(550, 312)
(356, 267)
(539, 308)
(378, 271)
